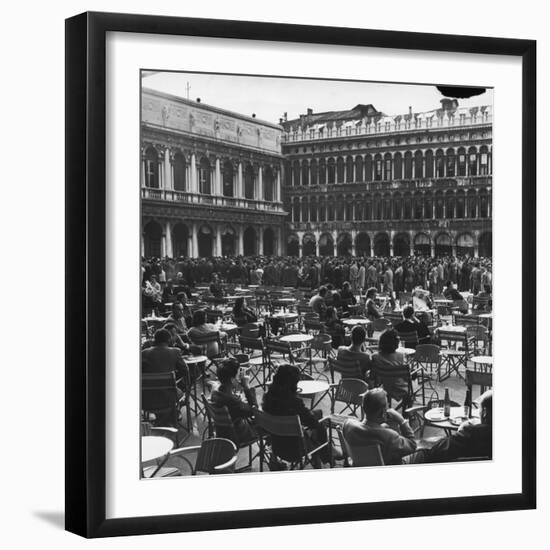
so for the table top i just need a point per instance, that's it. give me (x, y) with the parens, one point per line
(296, 338)
(482, 359)
(486, 315)
(452, 328)
(191, 359)
(284, 300)
(443, 301)
(281, 315)
(153, 447)
(235, 296)
(435, 417)
(353, 322)
(155, 319)
(311, 387)
(405, 351)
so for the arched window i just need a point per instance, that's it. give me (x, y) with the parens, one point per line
(471, 204)
(429, 164)
(439, 164)
(313, 210)
(450, 205)
(461, 164)
(322, 210)
(288, 173)
(151, 168)
(428, 205)
(418, 164)
(330, 210)
(296, 210)
(472, 161)
(340, 208)
(418, 206)
(228, 179)
(408, 166)
(331, 170)
(378, 167)
(268, 182)
(204, 176)
(483, 160)
(367, 208)
(397, 207)
(249, 182)
(439, 206)
(387, 167)
(179, 171)
(305, 173)
(322, 172)
(460, 205)
(349, 170)
(451, 163)
(340, 170)
(349, 209)
(368, 168)
(313, 172)
(407, 206)
(305, 209)
(296, 173)
(483, 204)
(359, 168)
(398, 166)
(359, 208)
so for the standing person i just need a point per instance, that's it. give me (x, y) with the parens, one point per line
(372, 276)
(475, 279)
(361, 277)
(398, 278)
(388, 280)
(354, 275)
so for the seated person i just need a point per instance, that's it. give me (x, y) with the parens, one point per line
(162, 357)
(421, 299)
(388, 359)
(411, 324)
(472, 439)
(346, 297)
(356, 351)
(216, 288)
(168, 293)
(485, 293)
(451, 293)
(395, 442)
(317, 303)
(225, 396)
(201, 328)
(177, 318)
(281, 399)
(372, 310)
(334, 327)
(242, 315)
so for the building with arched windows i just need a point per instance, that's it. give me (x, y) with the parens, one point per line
(210, 180)
(364, 183)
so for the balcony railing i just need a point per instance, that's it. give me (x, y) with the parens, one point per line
(387, 185)
(387, 128)
(170, 195)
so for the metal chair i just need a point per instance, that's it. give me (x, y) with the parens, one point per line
(455, 355)
(258, 362)
(477, 378)
(346, 369)
(359, 456)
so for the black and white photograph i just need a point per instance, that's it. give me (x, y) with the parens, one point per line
(316, 274)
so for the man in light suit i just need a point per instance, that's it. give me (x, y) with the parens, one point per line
(395, 442)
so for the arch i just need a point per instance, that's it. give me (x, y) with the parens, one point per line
(205, 238)
(398, 166)
(305, 172)
(305, 209)
(439, 164)
(377, 207)
(359, 208)
(386, 207)
(460, 204)
(439, 205)
(180, 239)
(465, 245)
(449, 204)
(179, 171)
(204, 176)
(422, 244)
(381, 244)
(344, 244)
(228, 242)
(443, 245)
(407, 166)
(326, 245)
(340, 169)
(483, 203)
(322, 209)
(249, 181)
(451, 163)
(428, 205)
(401, 245)
(418, 206)
(322, 172)
(378, 167)
(152, 239)
(367, 210)
(152, 168)
(330, 209)
(296, 209)
(472, 161)
(292, 245)
(308, 245)
(249, 241)
(362, 244)
(484, 155)
(340, 207)
(368, 168)
(486, 244)
(331, 171)
(313, 173)
(268, 182)
(349, 170)
(407, 206)
(269, 242)
(418, 160)
(227, 179)
(471, 204)
(296, 172)
(388, 167)
(461, 161)
(349, 209)
(313, 209)
(359, 177)
(429, 163)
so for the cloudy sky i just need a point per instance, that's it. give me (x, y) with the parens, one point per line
(270, 97)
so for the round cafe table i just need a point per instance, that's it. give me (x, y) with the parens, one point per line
(486, 315)
(452, 328)
(354, 322)
(296, 338)
(282, 315)
(483, 363)
(153, 447)
(194, 359)
(311, 388)
(436, 419)
(443, 302)
(406, 351)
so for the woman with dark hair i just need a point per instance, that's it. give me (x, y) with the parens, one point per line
(227, 395)
(388, 359)
(242, 314)
(281, 399)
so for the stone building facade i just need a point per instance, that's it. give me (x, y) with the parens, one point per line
(210, 181)
(364, 183)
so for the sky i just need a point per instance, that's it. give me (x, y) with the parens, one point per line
(270, 97)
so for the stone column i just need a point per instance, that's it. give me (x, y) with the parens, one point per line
(392, 234)
(218, 244)
(163, 245)
(240, 245)
(195, 241)
(453, 248)
(260, 193)
(142, 245)
(169, 249)
(168, 184)
(218, 180)
(432, 248)
(260, 246)
(194, 186)
(278, 187)
(300, 250)
(335, 242)
(353, 237)
(476, 250)
(240, 191)
(143, 180)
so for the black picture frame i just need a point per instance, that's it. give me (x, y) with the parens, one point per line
(86, 284)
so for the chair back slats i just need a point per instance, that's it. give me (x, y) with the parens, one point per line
(362, 455)
(158, 391)
(409, 339)
(275, 346)
(427, 353)
(346, 369)
(477, 378)
(351, 391)
(282, 426)
(248, 343)
(219, 420)
(214, 452)
(386, 372)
